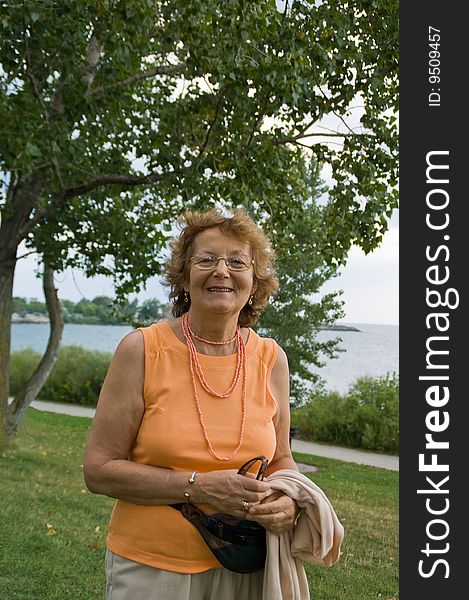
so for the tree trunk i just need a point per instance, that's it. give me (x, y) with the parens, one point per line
(22, 198)
(32, 388)
(7, 271)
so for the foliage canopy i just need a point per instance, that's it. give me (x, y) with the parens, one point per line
(117, 115)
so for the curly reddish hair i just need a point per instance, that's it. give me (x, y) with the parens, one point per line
(240, 226)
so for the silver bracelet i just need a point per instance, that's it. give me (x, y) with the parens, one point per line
(191, 481)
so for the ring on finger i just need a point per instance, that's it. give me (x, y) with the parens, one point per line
(245, 505)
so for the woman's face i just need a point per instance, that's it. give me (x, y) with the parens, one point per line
(220, 290)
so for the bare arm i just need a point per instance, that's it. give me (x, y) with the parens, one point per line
(278, 512)
(280, 387)
(107, 468)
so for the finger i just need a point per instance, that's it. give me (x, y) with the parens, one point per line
(268, 508)
(271, 497)
(275, 503)
(251, 495)
(242, 506)
(275, 496)
(254, 498)
(249, 483)
(277, 523)
(273, 518)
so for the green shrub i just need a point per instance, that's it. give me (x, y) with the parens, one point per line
(22, 365)
(76, 378)
(366, 417)
(373, 405)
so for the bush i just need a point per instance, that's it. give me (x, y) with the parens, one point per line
(22, 365)
(366, 417)
(76, 378)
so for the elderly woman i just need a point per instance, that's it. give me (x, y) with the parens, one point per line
(185, 403)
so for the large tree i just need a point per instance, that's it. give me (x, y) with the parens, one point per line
(115, 115)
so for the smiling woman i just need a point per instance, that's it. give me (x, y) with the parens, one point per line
(213, 285)
(187, 402)
(240, 237)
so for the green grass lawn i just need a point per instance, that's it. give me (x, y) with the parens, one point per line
(52, 530)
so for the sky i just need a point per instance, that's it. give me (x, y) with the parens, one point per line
(370, 283)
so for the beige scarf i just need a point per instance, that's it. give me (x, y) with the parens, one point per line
(315, 539)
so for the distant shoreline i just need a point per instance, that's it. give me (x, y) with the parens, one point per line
(338, 328)
(15, 318)
(38, 319)
(43, 320)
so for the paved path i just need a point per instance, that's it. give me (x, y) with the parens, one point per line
(385, 461)
(346, 454)
(64, 409)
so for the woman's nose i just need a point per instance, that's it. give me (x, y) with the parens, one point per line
(221, 268)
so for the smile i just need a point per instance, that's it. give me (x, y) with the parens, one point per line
(218, 289)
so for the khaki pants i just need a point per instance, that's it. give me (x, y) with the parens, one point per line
(128, 580)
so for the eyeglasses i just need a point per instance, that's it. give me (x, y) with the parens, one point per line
(248, 465)
(208, 262)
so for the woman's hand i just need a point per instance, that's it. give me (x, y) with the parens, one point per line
(227, 492)
(277, 513)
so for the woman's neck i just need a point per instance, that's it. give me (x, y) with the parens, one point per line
(215, 328)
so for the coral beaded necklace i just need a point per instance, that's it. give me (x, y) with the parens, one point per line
(197, 373)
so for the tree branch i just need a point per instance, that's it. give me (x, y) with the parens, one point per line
(256, 124)
(294, 139)
(205, 144)
(24, 200)
(104, 180)
(162, 70)
(26, 254)
(92, 59)
(12, 185)
(32, 79)
(336, 114)
(33, 386)
(100, 181)
(260, 117)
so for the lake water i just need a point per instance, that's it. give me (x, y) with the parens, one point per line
(374, 350)
(92, 337)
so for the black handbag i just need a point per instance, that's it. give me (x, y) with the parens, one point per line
(238, 544)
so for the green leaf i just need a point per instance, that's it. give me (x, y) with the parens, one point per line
(33, 150)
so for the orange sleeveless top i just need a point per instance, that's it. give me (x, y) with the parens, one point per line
(170, 436)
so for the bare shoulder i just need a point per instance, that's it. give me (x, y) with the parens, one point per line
(282, 358)
(131, 344)
(128, 364)
(280, 368)
(130, 351)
